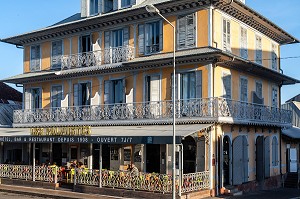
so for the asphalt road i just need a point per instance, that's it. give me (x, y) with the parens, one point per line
(282, 193)
(5, 195)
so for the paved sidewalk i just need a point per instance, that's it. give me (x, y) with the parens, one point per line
(50, 193)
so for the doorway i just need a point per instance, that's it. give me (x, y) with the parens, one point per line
(153, 158)
(292, 154)
(57, 153)
(226, 160)
(189, 155)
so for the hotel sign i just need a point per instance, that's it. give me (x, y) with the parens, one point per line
(61, 131)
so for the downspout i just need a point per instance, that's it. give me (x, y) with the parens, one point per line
(280, 132)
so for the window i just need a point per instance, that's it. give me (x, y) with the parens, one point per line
(35, 56)
(56, 96)
(150, 37)
(274, 151)
(274, 97)
(244, 45)
(117, 38)
(56, 54)
(243, 89)
(274, 57)
(186, 31)
(114, 91)
(226, 35)
(258, 88)
(188, 86)
(82, 94)
(258, 50)
(227, 86)
(36, 98)
(85, 44)
(94, 7)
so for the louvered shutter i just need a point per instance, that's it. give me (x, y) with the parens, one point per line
(56, 54)
(274, 97)
(32, 58)
(75, 95)
(160, 35)
(83, 8)
(123, 92)
(106, 39)
(177, 86)
(258, 51)
(227, 86)
(181, 33)
(115, 4)
(141, 39)
(228, 36)
(245, 159)
(224, 35)
(244, 89)
(27, 102)
(107, 90)
(88, 93)
(274, 57)
(198, 74)
(267, 157)
(258, 89)
(154, 88)
(190, 30)
(244, 49)
(126, 36)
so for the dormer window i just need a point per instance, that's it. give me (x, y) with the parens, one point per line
(94, 8)
(125, 3)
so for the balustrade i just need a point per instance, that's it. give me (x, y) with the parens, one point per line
(212, 109)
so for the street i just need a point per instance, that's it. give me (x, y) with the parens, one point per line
(6, 195)
(282, 193)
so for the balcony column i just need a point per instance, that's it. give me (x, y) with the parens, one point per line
(29, 153)
(51, 152)
(100, 165)
(90, 157)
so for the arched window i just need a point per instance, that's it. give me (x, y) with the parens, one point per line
(274, 151)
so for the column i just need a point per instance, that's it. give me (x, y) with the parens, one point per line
(51, 153)
(90, 157)
(1, 153)
(100, 165)
(33, 162)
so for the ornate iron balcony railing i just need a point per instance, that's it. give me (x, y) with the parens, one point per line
(96, 58)
(192, 110)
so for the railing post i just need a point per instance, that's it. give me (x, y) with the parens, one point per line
(110, 55)
(100, 166)
(75, 175)
(55, 174)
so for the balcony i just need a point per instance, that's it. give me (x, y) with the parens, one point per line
(204, 110)
(97, 58)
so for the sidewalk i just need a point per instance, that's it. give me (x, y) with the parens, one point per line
(62, 194)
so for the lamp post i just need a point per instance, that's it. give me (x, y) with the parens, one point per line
(152, 9)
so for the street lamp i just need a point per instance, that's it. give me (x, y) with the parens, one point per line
(152, 9)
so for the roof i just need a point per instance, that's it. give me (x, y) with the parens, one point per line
(9, 93)
(76, 24)
(295, 98)
(204, 55)
(293, 132)
(6, 113)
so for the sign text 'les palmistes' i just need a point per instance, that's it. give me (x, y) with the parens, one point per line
(61, 131)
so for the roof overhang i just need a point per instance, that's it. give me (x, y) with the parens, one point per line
(292, 133)
(203, 56)
(153, 134)
(138, 13)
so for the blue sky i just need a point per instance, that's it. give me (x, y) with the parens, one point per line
(24, 16)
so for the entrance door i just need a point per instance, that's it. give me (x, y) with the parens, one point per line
(153, 158)
(57, 153)
(260, 158)
(189, 155)
(226, 160)
(293, 160)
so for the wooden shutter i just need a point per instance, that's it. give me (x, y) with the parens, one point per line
(107, 90)
(141, 39)
(258, 89)
(115, 4)
(227, 86)
(190, 30)
(27, 96)
(126, 36)
(177, 86)
(161, 35)
(88, 93)
(274, 97)
(155, 88)
(274, 57)
(258, 51)
(181, 32)
(56, 54)
(244, 89)
(75, 95)
(198, 74)
(244, 49)
(228, 36)
(106, 39)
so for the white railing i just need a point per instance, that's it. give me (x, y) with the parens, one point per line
(23, 172)
(212, 109)
(195, 181)
(97, 58)
(46, 173)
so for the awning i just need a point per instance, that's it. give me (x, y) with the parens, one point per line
(293, 132)
(152, 134)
